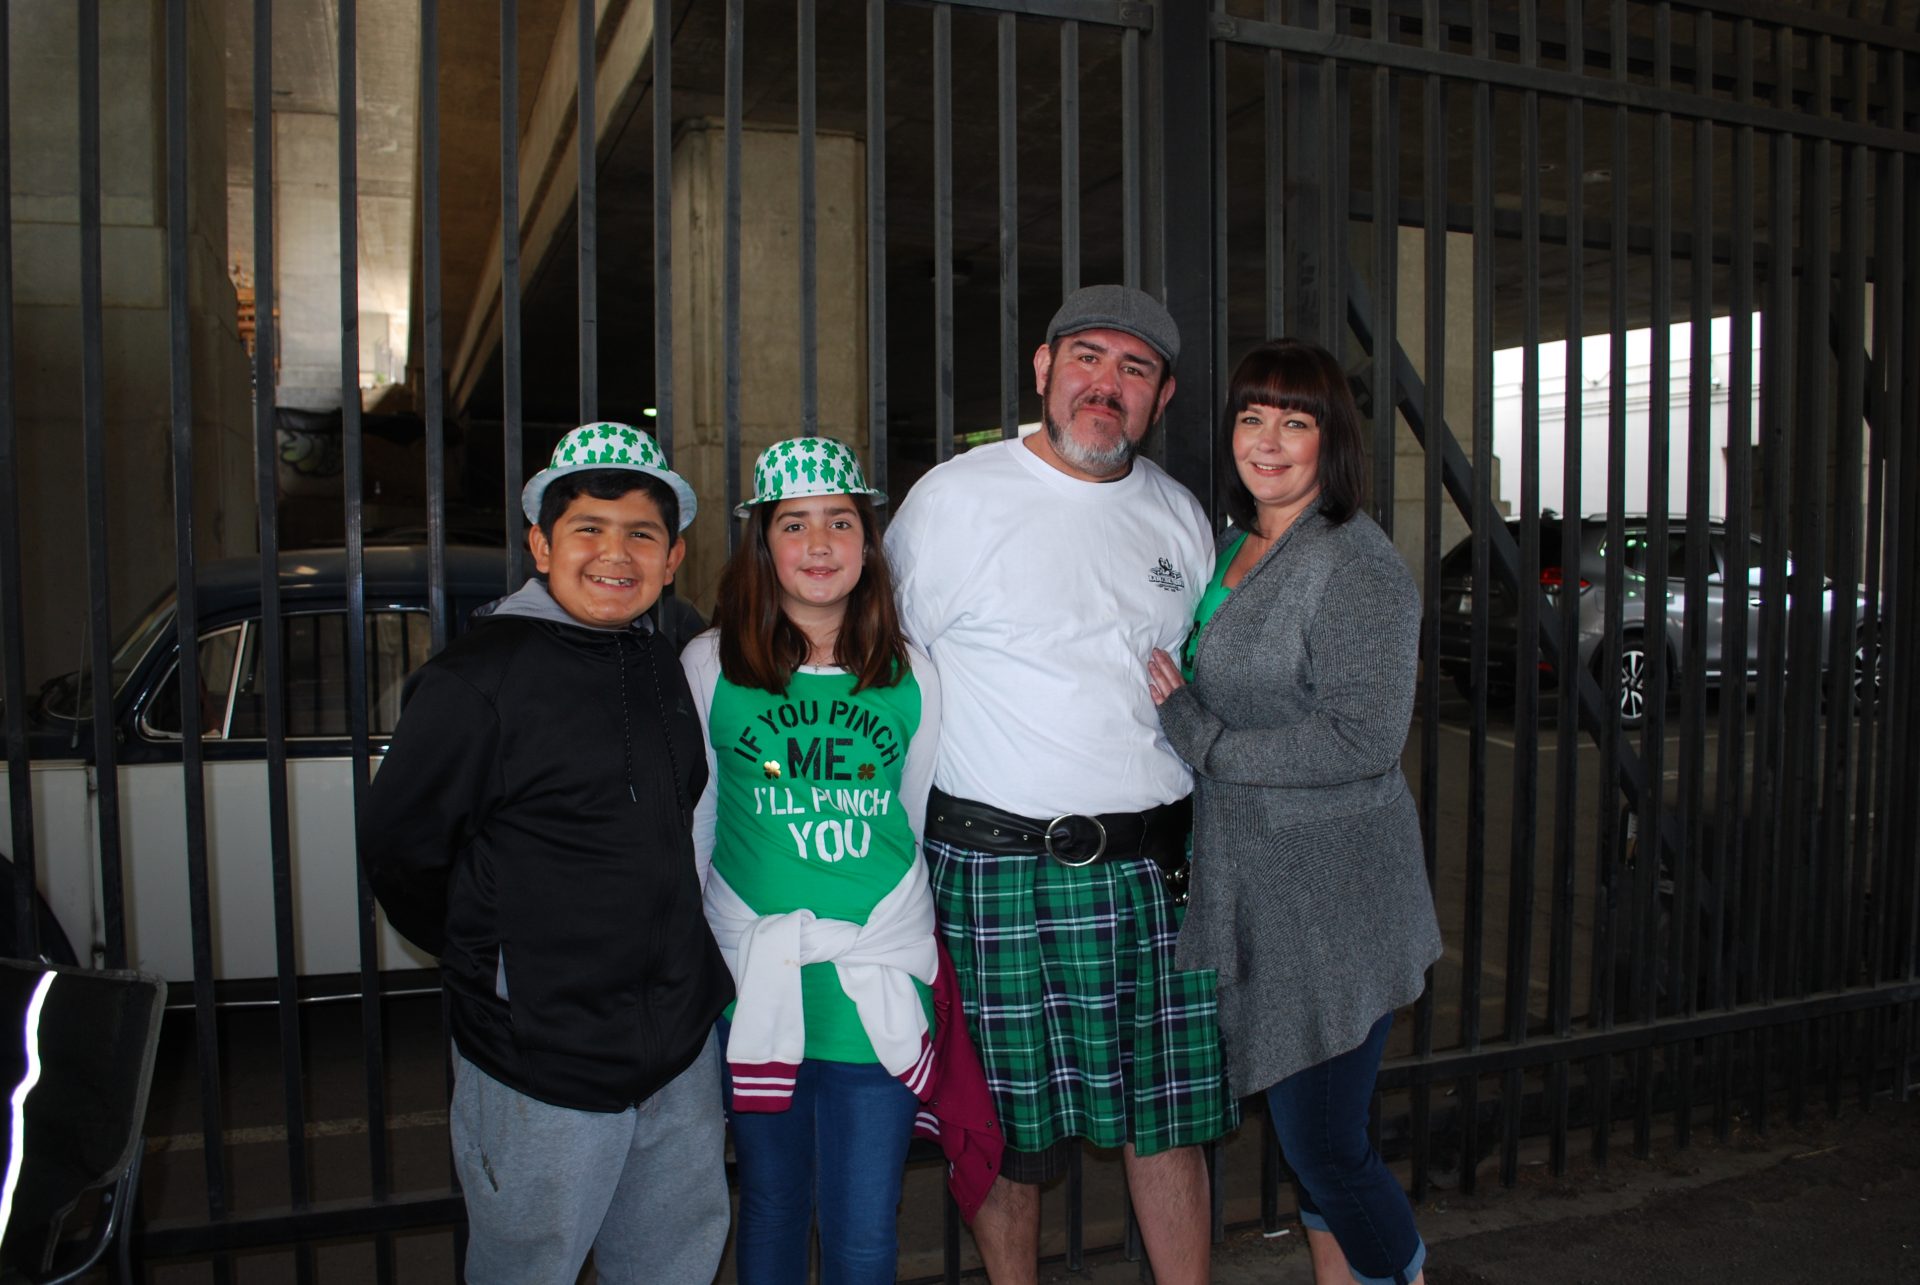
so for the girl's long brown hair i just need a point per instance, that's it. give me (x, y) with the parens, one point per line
(760, 647)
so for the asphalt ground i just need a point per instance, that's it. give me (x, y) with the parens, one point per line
(1827, 1199)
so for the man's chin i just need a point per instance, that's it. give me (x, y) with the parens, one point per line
(1109, 460)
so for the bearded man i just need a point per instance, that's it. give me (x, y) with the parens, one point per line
(1039, 574)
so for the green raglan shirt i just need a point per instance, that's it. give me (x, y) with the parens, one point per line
(808, 815)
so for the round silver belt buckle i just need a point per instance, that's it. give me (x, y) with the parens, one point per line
(1047, 839)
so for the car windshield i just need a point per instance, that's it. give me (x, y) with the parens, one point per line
(71, 695)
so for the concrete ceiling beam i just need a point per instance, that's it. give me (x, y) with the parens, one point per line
(549, 181)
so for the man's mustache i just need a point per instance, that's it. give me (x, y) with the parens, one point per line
(1106, 401)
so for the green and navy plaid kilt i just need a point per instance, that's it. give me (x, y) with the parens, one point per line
(1083, 1025)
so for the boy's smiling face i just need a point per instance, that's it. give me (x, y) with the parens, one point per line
(606, 561)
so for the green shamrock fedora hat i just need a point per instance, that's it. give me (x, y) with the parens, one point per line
(607, 445)
(807, 466)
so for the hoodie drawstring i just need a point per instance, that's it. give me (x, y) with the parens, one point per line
(626, 722)
(666, 729)
(666, 735)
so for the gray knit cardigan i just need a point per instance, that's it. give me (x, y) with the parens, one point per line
(1309, 888)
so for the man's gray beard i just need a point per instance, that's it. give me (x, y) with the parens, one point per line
(1113, 461)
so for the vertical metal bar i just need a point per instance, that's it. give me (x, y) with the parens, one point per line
(271, 653)
(1009, 158)
(1335, 143)
(950, 1241)
(1278, 288)
(1776, 408)
(433, 375)
(587, 209)
(730, 325)
(943, 231)
(1482, 519)
(512, 410)
(1220, 189)
(187, 613)
(1842, 458)
(1609, 840)
(1069, 158)
(1904, 684)
(663, 408)
(1524, 816)
(1860, 961)
(1904, 681)
(1734, 908)
(1889, 270)
(1433, 224)
(1386, 273)
(1768, 839)
(1181, 168)
(1845, 711)
(1685, 933)
(1657, 590)
(1806, 947)
(809, 227)
(1130, 158)
(876, 239)
(353, 473)
(13, 635)
(93, 436)
(1217, 1189)
(1572, 588)
(1076, 1204)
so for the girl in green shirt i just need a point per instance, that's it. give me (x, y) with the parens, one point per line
(821, 724)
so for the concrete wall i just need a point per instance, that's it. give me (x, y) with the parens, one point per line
(1409, 464)
(46, 261)
(769, 313)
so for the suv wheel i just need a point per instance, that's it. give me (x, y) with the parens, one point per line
(1633, 682)
(1868, 687)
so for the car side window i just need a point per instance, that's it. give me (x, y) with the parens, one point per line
(314, 668)
(314, 646)
(218, 650)
(1637, 554)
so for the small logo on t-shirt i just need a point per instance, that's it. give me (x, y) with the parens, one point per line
(1164, 575)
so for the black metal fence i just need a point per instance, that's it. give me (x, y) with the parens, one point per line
(1713, 914)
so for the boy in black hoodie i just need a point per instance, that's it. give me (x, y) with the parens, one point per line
(530, 825)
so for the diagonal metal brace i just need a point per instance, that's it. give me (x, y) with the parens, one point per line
(1457, 475)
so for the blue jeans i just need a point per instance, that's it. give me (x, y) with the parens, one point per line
(841, 1145)
(1320, 1115)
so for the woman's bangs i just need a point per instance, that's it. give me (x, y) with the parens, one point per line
(1281, 384)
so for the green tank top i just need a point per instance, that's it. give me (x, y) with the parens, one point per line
(808, 816)
(1209, 603)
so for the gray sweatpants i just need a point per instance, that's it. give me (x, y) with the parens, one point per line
(644, 1188)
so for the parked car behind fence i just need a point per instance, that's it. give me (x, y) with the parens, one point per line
(231, 714)
(1587, 580)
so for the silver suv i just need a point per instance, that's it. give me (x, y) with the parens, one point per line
(1588, 580)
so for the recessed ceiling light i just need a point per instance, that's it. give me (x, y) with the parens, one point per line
(1601, 175)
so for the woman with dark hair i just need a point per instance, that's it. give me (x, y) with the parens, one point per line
(1309, 894)
(821, 724)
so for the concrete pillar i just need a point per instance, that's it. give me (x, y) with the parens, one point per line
(47, 315)
(769, 313)
(1409, 467)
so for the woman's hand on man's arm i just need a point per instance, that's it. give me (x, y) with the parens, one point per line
(1163, 676)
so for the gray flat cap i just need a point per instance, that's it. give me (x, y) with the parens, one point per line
(1118, 308)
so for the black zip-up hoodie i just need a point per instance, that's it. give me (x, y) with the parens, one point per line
(531, 826)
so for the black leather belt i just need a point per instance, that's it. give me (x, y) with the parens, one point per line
(1158, 834)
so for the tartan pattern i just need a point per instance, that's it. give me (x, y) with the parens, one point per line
(1083, 1026)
